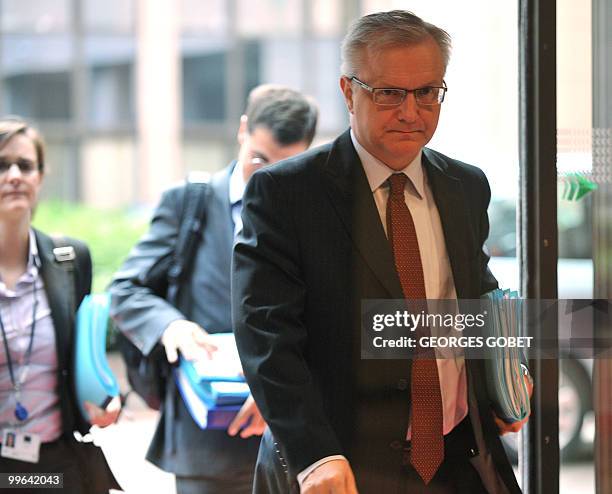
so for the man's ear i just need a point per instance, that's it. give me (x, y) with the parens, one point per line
(347, 90)
(242, 130)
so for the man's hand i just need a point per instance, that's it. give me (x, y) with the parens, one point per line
(332, 477)
(104, 417)
(188, 337)
(506, 428)
(249, 417)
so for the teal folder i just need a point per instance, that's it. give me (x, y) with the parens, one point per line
(504, 366)
(94, 380)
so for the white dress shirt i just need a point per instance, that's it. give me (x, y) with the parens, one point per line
(236, 191)
(439, 283)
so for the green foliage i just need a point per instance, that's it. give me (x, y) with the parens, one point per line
(109, 233)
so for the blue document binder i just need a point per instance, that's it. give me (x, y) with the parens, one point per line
(94, 380)
(213, 390)
(504, 373)
(207, 411)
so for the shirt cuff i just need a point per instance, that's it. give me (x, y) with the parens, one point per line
(308, 470)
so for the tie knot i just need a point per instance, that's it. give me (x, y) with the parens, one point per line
(398, 184)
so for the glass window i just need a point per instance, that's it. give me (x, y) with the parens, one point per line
(204, 67)
(110, 63)
(575, 224)
(43, 96)
(37, 76)
(35, 16)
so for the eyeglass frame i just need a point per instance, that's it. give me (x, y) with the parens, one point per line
(371, 90)
(26, 166)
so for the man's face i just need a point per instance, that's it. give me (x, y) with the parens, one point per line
(259, 148)
(396, 134)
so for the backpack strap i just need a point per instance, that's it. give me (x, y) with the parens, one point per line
(193, 220)
(65, 255)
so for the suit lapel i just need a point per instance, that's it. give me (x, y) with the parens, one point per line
(56, 280)
(453, 209)
(350, 194)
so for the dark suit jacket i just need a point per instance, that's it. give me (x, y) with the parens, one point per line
(58, 283)
(179, 445)
(312, 248)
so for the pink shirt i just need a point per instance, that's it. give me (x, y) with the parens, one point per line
(39, 389)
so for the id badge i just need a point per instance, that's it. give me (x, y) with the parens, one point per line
(23, 446)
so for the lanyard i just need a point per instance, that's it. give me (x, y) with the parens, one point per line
(20, 411)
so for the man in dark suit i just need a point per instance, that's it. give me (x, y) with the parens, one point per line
(279, 122)
(372, 215)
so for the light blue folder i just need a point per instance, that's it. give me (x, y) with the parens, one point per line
(94, 380)
(213, 390)
(504, 373)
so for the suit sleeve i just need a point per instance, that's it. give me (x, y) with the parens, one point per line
(137, 311)
(268, 301)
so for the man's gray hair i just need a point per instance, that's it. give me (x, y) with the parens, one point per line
(385, 29)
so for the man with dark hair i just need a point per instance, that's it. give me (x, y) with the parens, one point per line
(279, 122)
(372, 215)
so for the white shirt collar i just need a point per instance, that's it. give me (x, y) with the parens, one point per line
(378, 173)
(32, 267)
(236, 184)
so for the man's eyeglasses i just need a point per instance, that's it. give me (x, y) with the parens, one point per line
(25, 166)
(424, 96)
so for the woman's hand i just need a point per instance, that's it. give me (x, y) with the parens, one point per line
(104, 417)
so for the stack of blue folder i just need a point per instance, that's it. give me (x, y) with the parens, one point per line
(504, 370)
(213, 390)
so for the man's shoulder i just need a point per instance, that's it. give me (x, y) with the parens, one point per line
(50, 242)
(301, 163)
(453, 167)
(175, 193)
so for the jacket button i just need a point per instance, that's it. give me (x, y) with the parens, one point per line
(395, 445)
(64, 372)
(402, 384)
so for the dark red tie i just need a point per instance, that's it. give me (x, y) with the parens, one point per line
(427, 450)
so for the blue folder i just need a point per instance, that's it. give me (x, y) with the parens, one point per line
(213, 390)
(94, 380)
(207, 411)
(504, 371)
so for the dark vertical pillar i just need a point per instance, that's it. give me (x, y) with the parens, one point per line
(538, 228)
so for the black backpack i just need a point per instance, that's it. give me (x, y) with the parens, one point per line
(148, 375)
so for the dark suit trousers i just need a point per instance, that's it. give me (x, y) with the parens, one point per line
(240, 484)
(82, 465)
(388, 469)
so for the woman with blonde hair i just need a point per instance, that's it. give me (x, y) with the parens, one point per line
(38, 299)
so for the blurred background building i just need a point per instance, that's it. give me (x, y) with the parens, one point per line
(132, 94)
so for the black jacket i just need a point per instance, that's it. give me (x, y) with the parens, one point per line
(313, 248)
(179, 445)
(59, 283)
